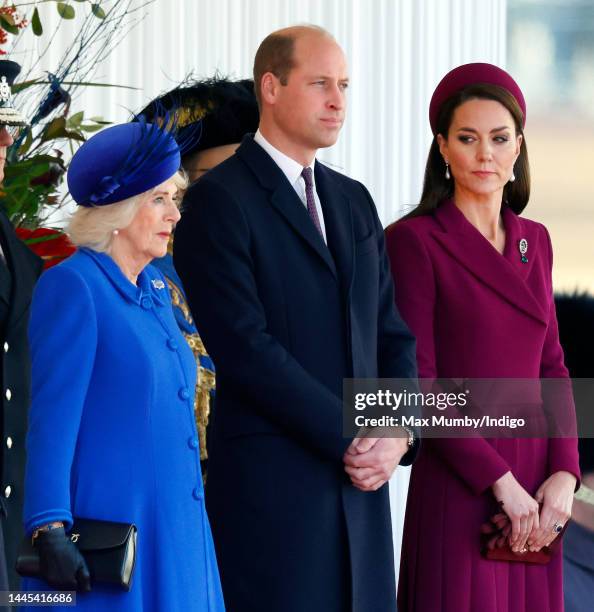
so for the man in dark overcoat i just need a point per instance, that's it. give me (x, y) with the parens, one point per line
(294, 297)
(19, 270)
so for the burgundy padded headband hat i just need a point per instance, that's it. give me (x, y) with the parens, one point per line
(472, 74)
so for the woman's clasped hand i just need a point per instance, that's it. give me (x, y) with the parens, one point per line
(532, 527)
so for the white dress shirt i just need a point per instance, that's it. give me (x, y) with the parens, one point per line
(292, 170)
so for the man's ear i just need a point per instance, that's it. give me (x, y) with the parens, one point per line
(269, 86)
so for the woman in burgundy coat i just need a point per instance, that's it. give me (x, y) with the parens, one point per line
(473, 282)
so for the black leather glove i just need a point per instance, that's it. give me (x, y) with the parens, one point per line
(60, 562)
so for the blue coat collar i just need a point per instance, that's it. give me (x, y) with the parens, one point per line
(150, 283)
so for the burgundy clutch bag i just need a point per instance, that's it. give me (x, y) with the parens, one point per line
(495, 545)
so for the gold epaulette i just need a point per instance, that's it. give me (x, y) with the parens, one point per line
(206, 383)
(205, 376)
(178, 299)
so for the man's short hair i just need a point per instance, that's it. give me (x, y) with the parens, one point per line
(275, 54)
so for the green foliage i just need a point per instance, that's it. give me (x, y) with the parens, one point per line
(7, 23)
(66, 11)
(36, 23)
(98, 11)
(34, 174)
(32, 181)
(24, 192)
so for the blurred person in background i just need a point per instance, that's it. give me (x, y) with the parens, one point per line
(19, 270)
(576, 331)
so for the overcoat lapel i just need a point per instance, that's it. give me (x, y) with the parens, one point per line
(5, 282)
(502, 273)
(336, 206)
(283, 197)
(5, 273)
(16, 251)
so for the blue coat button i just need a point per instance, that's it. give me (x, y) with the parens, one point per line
(193, 443)
(172, 344)
(146, 302)
(183, 393)
(197, 494)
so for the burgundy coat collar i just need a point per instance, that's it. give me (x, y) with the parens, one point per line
(504, 273)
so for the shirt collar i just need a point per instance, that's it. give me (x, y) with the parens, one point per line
(150, 285)
(291, 169)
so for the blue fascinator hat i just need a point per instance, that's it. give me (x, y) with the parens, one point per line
(123, 161)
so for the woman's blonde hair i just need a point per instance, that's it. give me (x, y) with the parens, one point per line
(93, 226)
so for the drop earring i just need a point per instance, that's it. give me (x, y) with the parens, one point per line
(115, 232)
(447, 172)
(512, 178)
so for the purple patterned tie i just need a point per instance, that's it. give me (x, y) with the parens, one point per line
(309, 196)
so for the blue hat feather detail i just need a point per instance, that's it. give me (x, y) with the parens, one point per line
(123, 161)
(106, 187)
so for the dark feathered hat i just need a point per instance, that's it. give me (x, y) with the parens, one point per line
(227, 110)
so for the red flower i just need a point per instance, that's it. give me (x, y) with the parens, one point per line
(53, 246)
(12, 16)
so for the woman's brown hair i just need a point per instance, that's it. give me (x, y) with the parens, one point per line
(437, 188)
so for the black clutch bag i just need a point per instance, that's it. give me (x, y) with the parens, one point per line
(108, 548)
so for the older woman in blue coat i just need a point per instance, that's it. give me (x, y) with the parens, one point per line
(112, 434)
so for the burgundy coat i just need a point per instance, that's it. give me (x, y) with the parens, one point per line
(476, 313)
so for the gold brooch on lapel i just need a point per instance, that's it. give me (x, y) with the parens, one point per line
(523, 248)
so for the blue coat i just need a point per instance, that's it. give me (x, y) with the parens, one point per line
(112, 433)
(286, 319)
